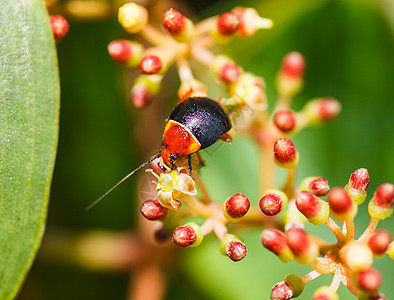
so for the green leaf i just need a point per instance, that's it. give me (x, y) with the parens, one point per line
(29, 108)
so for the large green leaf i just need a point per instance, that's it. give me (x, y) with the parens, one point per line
(29, 108)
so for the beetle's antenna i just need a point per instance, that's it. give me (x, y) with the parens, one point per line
(124, 178)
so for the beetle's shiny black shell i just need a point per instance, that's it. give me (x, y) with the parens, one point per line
(203, 117)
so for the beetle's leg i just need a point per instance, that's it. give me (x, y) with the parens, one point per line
(189, 161)
(160, 166)
(172, 158)
(200, 160)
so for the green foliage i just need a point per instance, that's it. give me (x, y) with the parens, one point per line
(29, 108)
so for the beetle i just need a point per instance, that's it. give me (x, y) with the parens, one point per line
(194, 124)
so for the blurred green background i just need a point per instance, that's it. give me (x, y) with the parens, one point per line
(349, 50)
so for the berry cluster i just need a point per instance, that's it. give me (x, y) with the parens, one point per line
(350, 259)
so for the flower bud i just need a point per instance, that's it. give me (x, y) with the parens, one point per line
(276, 242)
(303, 247)
(233, 247)
(325, 293)
(273, 202)
(321, 110)
(189, 235)
(145, 89)
(59, 26)
(227, 23)
(381, 205)
(342, 206)
(357, 185)
(369, 280)
(285, 154)
(191, 88)
(235, 207)
(291, 74)
(226, 69)
(125, 51)
(151, 64)
(285, 121)
(379, 242)
(357, 256)
(177, 25)
(291, 287)
(133, 17)
(250, 21)
(249, 90)
(318, 186)
(313, 208)
(152, 210)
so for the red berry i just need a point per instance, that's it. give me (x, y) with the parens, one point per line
(293, 65)
(140, 96)
(369, 280)
(282, 291)
(174, 21)
(384, 196)
(285, 151)
(329, 108)
(359, 180)
(152, 210)
(298, 241)
(120, 50)
(229, 72)
(228, 23)
(274, 241)
(59, 26)
(339, 200)
(237, 206)
(379, 242)
(285, 120)
(151, 64)
(308, 204)
(271, 204)
(236, 250)
(319, 187)
(184, 236)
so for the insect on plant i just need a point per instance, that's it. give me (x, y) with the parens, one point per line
(194, 124)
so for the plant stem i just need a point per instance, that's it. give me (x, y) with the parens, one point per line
(350, 230)
(369, 230)
(203, 55)
(288, 186)
(148, 282)
(336, 230)
(198, 207)
(201, 186)
(336, 281)
(184, 71)
(283, 103)
(310, 276)
(154, 36)
(204, 26)
(207, 227)
(220, 230)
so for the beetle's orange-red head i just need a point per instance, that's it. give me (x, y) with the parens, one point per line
(178, 142)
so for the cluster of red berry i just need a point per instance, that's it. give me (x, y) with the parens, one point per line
(349, 259)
